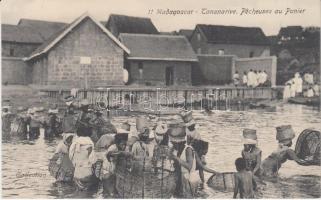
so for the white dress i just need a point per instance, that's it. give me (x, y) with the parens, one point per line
(287, 92)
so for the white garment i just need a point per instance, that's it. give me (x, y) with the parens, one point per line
(298, 82)
(310, 93)
(261, 78)
(251, 79)
(80, 157)
(125, 75)
(287, 92)
(293, 89)
(316, 89)
(73, 92)
(255, 80)
(264, 77)
(245, 79)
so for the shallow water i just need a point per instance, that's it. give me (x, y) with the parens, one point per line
(25, 172)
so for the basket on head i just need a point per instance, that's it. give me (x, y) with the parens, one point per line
(141, 123)
(176, 132)
(284, 132)
(249, 136)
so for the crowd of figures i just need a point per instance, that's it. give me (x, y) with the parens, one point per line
(252, 79)
(304, 87)
(166, 158)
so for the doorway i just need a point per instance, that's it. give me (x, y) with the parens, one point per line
(169, 75)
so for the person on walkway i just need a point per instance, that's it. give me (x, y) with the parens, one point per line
(316, 90)
(244, 181)
(236, 79)
(293, 88)
(287, 91)
(251, 78)
(310, 92)
(251, 153)
(271, 165)
(299, 83)
(245, 79)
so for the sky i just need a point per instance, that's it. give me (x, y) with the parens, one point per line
(68, 10)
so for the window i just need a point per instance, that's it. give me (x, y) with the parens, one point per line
(198, 37)
(11, 53)
(251, 54)
(221, 52)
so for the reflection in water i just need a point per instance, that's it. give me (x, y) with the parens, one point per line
(223, 129)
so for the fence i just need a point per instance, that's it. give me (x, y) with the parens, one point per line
(116, 97)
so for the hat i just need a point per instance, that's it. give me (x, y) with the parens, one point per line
(249, 136)
(53, 111)
(21, 109)
(177, 132)
(69, 99)
(39, 109)
(188, 118)
(141, 123)
(161, 128)
(31, 111)
(284, 132)
(121, 137)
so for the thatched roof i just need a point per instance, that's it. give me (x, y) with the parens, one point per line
(20, 34)
(127, 24)
(233, 34)
(45, 28)
(158, 47)
(54, 39)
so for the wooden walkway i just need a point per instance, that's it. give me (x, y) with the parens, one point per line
(165, 96)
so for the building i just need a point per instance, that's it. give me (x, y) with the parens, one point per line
(290, 34)
(83, 54)
(117, 24)
(45, 28)
(158, 59)
(186, 32)
(242, 42)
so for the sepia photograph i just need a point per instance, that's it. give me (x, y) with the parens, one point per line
(163, 99)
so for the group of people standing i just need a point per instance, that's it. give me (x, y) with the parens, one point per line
(26, 123)
(253, 78)
(295, 86)
(148, 143)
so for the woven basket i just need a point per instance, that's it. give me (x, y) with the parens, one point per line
(222, 181)
(308, 146)
(147, 183)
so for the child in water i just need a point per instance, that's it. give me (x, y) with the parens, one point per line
(251, 153)
(244, 181)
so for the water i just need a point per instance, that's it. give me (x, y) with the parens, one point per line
(25, 172)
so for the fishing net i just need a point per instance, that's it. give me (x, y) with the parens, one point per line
(308, 146)
(222, 181)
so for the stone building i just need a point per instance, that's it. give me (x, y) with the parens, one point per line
(158, 59)
(127, 24)
(242, 42)
(82, 54)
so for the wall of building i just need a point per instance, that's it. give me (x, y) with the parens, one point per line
(212, 70)
(85, 57)
(154, 72)
(15, 71)
(201, 46)
(19, 49)
(268, 64)
(241, 51)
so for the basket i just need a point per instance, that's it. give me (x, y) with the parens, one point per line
(222, 182)
(144, 182)
(60, 167)
(308, 146)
